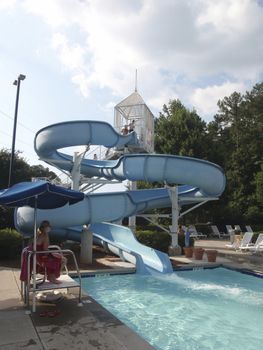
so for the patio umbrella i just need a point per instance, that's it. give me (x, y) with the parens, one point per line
(38, 195)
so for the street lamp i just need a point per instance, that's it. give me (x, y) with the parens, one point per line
(17, 83)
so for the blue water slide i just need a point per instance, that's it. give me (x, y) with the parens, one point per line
(201, 180)
(126, 245)
(206, 176)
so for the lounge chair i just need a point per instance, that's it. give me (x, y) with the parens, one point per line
(195, 233)
(244, 244)
(238, 228)
(257, 246)
(217, 233)
(249, 229)
(229, 229)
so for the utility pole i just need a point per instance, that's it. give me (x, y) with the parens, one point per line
(17, 83)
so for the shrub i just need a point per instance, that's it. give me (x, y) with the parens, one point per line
(153, 239)
(10, 243)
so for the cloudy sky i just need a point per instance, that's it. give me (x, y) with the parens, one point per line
(80, 57)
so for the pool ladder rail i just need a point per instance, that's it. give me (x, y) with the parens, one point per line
(41, 284)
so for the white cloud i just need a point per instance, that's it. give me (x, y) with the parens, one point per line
(72, 57)
(108, 107)
(174, 44)
(56, 13)
(7, 4)
(81, 80)
(205, 99)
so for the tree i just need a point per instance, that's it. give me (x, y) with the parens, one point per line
(237, 132)
(232, 140)
(180, 131)
(21, 170)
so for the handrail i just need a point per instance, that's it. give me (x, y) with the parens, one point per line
(58, 249)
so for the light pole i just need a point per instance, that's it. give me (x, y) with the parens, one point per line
(17, 83)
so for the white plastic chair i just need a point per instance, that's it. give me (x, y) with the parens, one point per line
(216, 232)
(257, 246)
(244, 244)
(195, 233)
(229, 229)
(238, 228)
(249, 229)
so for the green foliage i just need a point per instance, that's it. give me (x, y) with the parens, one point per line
(10, 243)
(6, 217)
(180, 131)
(232, 140)
(153, 239)
(21, 168)
(239, 132)
(259, 186)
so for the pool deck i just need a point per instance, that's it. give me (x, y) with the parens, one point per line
(90, 326)
(87, 327)
(227, 257)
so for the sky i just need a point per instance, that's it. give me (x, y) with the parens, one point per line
(80, 57)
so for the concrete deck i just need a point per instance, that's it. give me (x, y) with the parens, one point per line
(236, 258)
(88, 327)
(91, 326)
(226, 256)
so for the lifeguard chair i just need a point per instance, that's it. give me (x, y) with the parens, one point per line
(133, 111)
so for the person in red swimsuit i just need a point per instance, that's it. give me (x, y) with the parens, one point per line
(51, 261)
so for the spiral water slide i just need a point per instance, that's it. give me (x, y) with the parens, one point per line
(201, 180)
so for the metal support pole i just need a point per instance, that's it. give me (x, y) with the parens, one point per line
(196, 206)
(175, 215)
(17, 83)
(132, 219)
(75, 173)
(175, 248)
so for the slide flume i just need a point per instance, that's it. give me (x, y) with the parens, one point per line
(202, 181)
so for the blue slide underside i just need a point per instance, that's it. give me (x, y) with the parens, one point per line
(200, 180)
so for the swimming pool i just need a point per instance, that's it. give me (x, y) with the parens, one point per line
(187, 310)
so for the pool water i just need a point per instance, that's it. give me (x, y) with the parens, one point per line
(186, 310)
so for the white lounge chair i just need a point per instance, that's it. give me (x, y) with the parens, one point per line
(249, 229)
(238, 228)
(229, 229)
(217, 233)
(195, 233)
(244, 244)
(257, 246)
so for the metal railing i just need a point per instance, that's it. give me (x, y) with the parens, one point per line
(27, 286)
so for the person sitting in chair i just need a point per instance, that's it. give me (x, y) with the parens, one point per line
(52, 261)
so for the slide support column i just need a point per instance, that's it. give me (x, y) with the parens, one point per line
(175, 249)
(86, 245)
(132, 219)
(75, 172)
